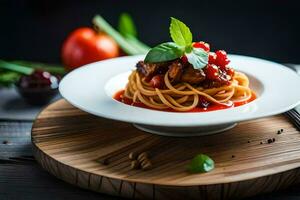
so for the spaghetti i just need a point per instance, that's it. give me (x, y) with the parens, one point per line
(184, 96)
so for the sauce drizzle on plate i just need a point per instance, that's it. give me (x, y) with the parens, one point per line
(211, 107)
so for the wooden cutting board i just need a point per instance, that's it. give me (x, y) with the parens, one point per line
(73, 145)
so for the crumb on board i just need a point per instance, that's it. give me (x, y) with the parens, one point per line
(140, 161)
(280, 131)
(271, 140)
(104, 161)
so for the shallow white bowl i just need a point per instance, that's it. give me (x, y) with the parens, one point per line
(91, 89)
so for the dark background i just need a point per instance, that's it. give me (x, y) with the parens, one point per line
(35, 29)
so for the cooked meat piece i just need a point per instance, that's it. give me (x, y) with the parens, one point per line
(175, 71)
(192, 76)
(148, 70)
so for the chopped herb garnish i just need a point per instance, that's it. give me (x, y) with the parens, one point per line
(201, 163)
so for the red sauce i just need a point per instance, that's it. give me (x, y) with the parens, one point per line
(119, 97)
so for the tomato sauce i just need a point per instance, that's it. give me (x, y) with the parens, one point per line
(119, 97)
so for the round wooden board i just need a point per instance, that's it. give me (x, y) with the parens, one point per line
(72, 145)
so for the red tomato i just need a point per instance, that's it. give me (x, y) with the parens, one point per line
(202, 45)
(184, 59)
(212, 72)
(212, 57)
(157, 81)
(84, 45)
(222, 59)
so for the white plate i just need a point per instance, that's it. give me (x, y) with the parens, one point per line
(91, 88)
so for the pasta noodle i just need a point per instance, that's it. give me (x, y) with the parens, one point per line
(184, 96)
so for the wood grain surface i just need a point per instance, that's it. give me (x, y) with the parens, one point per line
(72, 145)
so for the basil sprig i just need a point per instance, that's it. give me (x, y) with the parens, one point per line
(181, 45)
(180, 33)
(198, 58)
(201, 163)
(164, 52)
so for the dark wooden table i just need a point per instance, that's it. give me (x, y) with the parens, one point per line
(22, 178)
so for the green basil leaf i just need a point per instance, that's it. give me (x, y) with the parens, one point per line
(201, 163)
(198, 58)
(126, 25)
(180, 33)
(164, 52)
